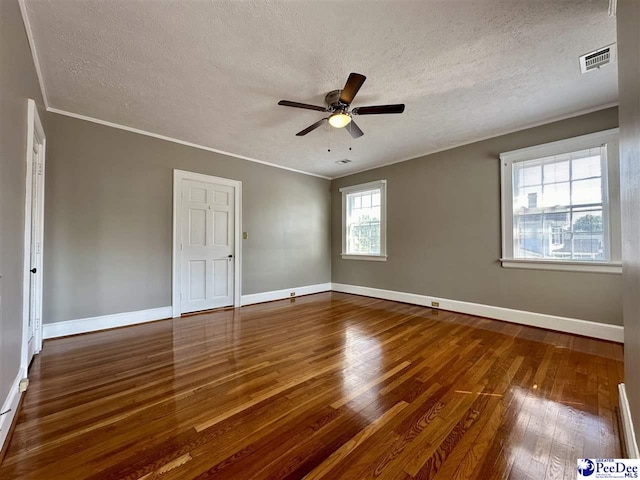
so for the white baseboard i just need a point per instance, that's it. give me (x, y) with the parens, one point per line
(10, 406)
(286, 293)
(92, 324)
(628, 431)
(568, 325)
(602, 331)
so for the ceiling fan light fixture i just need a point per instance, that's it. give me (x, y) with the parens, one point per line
(339, 120)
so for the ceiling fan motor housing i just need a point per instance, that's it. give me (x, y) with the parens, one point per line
(332, 99)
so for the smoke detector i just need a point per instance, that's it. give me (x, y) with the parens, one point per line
(343, 161)
(598, 58)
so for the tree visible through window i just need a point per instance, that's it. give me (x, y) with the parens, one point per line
(363, 228)
(561, 205)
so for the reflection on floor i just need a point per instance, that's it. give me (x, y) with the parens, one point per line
(330, 386)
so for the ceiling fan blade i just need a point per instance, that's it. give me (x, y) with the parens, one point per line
(379, 109)
(354, 129)
(287, 103)
(310, 128)
(354, 82)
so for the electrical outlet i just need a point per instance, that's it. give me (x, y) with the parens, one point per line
(435, 304)
(24, 383)
(292, 294)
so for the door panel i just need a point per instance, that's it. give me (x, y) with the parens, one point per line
(220, 275)
(221, 229)
(197, 227)
(207, 245)
(197, 280)
(35, 283)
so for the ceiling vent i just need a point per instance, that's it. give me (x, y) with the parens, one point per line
(598, 59)
(343, 161)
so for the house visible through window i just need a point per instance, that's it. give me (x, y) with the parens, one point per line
(556, 204)
(557, 236)
(364, 222)
(563, 199)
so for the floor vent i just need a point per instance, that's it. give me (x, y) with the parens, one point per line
(598, 59)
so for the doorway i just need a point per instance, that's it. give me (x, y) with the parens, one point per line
(33, 236)
(206, 242)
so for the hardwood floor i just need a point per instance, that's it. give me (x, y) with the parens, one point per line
(330, 386)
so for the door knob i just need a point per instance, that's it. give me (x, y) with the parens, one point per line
(34, 270)
(230, 256)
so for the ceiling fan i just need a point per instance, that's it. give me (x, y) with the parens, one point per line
(338, 103)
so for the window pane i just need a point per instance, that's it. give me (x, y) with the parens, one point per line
(528, 234)
(556, 194)
(558, 207)
(586, 191)
(588, 235)
(531, 175)
(586, 167)
(363, 223)
(556, 172)
(527, 197)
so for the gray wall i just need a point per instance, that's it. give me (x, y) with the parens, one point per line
(443, 232)
(629, 90)
(108, 220)
(18, 82)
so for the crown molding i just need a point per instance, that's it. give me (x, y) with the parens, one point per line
(34, 52)
(177, 140)
(488, 137)
(43, 91)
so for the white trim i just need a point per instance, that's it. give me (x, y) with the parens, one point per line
(176, 140)
(602, 331)
(10, 403)
(35, 133)
(561, 146)
(627, 424)
(92, 324)
(375, 258)
(610, 201)
(487, 137)
(363, 187)
(36, 62)
(34, 52)
(285, 293)
(178, 176)
(593, 267)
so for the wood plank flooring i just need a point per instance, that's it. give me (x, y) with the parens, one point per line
(328, 386)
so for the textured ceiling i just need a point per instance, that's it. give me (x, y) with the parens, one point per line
(212, 72)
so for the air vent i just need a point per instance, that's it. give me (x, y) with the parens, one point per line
(344, 161)
(598, 59)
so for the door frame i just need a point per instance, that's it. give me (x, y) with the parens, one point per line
(178, 177)
(35, 134)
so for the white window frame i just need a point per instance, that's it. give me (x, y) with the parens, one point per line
(612, 206)
(382, 185)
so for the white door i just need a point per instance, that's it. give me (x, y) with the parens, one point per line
(207, 245)
(35, 277)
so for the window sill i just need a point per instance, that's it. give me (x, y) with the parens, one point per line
(374, 258)
(593, 267)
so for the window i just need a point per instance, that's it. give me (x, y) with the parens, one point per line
(364, 212)
(557, 235)
(560, 205)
